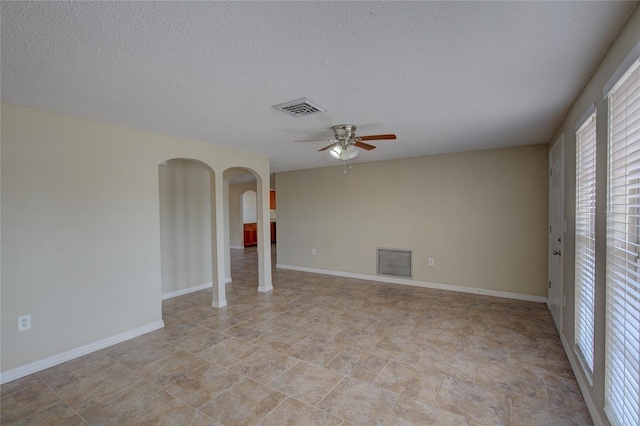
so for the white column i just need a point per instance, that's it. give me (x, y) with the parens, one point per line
(217, 241)
(227, 254)
(264, 236)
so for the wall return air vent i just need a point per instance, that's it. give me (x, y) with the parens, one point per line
(300, 108)
(395, 262)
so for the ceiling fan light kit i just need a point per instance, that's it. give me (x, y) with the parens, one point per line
(343, 153)
(344, 144)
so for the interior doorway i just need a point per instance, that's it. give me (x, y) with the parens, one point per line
(249, 219)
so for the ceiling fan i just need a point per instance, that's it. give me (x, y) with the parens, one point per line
(343, 144)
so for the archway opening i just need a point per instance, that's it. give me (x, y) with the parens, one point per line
(247, 225)
(187, 232)
(249, 219)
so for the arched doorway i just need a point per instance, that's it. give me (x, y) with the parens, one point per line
(249, 219)
(242, 187)
(188, 230)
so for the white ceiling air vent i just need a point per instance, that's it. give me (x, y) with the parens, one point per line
(300, 107)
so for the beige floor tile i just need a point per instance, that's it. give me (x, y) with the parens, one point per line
(229, 352)
(59, 414)
(361, 338)
(244, 403)
(260, 316)
(27, 383)
(248, 331)
(222, 322)
(414, 381)
(176, 413)
(411, 412)
(484, 349)
(199, 341)
(197, 313)
(145, 353)
(481, 404)
(201, 386)
(31, 398)
(528, 412)
(289, 320)
(514, 379)
(315, 351)
(176, 330)
(279, 339)
(542, 361)
(293, 413)
(400, 348)
(396, 327)
(323, 329)
(358, 364)
(264, 365)
(128, 406)
(444, 339)
(485, 317)
(463, 327)
(97, 386)
(117, 351)
(505, 334)
(165, 370)
(76, 369)
(359, 402)
(564, 393)
(306, 382)
(451, 363)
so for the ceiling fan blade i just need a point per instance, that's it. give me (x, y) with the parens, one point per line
(319, 140)
(328, 146)
(376, 137)
(364, 146)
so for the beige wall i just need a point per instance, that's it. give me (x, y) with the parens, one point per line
(592, 93)
(81, 228)
(481, 215)
(185, 225)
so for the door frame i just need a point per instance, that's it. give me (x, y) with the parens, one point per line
(557, 230)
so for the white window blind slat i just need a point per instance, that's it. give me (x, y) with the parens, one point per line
(585, 231)
(622, 338)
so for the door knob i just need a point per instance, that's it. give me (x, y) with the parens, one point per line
(557, 252)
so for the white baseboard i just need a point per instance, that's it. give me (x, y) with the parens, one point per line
(265, 289)
(403, 281)
(595, 415)
(237, 247)
(188, 290)
(54, 360)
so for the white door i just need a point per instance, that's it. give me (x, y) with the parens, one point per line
(556, 230)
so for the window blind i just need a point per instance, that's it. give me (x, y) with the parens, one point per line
(622, 353)
(585, 243)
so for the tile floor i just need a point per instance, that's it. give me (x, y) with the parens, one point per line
(318, 350)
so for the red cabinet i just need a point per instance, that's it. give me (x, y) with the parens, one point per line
(273, 232)
(272, 200)
(250, 234)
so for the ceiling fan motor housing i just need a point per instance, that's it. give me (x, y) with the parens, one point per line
(345, 132)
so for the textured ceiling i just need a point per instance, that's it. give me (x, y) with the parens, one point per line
(444, 76)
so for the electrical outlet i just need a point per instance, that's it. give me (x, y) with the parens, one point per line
(313, 252)
(24, 322)
(431, 261)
